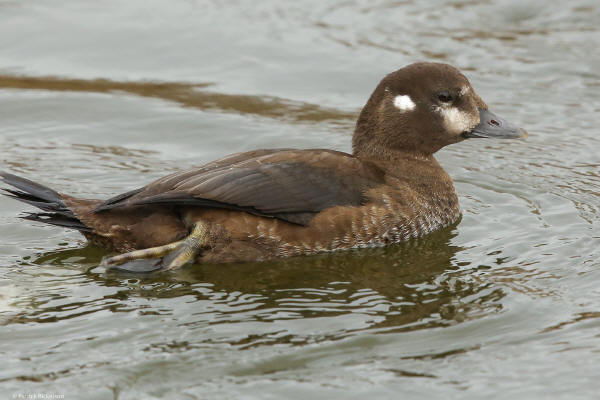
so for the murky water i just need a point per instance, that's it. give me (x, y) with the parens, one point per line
(99, 97)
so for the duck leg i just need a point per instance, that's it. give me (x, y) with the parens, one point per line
(168, 257)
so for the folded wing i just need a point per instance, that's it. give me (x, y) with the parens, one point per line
(291, 185)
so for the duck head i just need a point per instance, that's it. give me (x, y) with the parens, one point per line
(421, 108)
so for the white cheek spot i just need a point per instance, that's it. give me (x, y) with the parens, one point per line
(403, 102)
(455, 120)
(464, 90)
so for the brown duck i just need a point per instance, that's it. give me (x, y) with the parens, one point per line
(273, 203)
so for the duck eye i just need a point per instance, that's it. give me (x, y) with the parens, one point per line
(445, 97)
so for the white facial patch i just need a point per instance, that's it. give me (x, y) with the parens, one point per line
(403, 102)
(457, 121)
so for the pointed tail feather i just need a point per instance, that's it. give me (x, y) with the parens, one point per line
(58, 220)
(44, 198)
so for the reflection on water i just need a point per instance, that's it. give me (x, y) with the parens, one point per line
(100, 97)
(399, 288)
(187, 95)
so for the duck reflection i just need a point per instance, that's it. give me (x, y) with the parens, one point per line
(414, 285)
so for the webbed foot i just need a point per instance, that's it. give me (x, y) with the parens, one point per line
(162, 258)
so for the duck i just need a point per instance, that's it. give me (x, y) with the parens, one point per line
(275, 203)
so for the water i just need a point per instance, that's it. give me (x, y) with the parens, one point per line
(98, 98)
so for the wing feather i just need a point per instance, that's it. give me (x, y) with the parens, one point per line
(292, 185)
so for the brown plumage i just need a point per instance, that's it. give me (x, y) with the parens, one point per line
(283, 202)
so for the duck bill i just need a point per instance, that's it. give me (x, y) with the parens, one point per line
(493, 126)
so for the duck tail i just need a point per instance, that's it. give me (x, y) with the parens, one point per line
(44, 198)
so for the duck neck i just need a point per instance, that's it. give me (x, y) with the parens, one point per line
(385, 155)
(419, 171)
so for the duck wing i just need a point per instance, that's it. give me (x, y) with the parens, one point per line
(291, 185)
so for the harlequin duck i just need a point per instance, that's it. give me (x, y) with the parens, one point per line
(265, 204)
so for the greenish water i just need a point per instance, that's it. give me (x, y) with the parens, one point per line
(97, 98)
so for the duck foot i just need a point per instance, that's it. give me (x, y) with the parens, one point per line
(162, 258)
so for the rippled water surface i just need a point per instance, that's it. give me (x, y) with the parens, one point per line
(97, 98)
